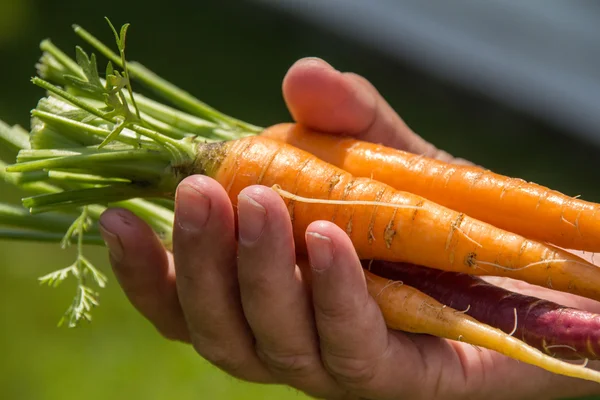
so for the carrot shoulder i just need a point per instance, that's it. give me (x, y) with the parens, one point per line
(407, 309)
(512, 204)
(384, 223)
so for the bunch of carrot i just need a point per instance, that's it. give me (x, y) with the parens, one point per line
(104, 144)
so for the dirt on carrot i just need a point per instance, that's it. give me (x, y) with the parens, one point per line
(101, 146)
(525, 208)
(384, 223)
(559, 331)
(407, 309)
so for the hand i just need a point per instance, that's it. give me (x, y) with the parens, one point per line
(254, 314)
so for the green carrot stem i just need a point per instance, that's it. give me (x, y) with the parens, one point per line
(70, 98)
(82, 197)
(84, 178)
(164, 88)
(141, 164)
(15, 179)
(153, 111)
(74, 131)
(42, 154)
(11, 215)
(73, 128)
(23, 178)
(42, 236)
(169, 204)
(162, 127)
(185, 122)
(66, 61)
(170, 144)
(14, 137)
(158, 217)
(150, 119)
(38, 187)
(169, 121)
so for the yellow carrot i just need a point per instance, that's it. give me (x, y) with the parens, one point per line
(407, 309)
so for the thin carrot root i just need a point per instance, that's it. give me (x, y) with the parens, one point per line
(402, 308)
(285, 194)
(516, 319)
(129, 155)
(508, 203)
(465, 311)
(394, 224)
(554, 329)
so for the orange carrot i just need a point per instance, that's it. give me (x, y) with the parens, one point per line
(384, 223)
(407, 309)
(148, 152)
(512, 204)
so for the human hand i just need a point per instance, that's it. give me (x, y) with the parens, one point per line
(248, 308)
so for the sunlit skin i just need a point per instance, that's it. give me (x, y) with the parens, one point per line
(252, 313)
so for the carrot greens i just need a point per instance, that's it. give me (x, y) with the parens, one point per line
(99, 125)
(94, 143)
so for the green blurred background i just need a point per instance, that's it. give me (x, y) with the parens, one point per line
(233, 55)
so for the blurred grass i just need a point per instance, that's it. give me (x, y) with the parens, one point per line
(119, 356)
(233, 57)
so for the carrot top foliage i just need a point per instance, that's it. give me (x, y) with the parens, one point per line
(93, 140)
(95, 143)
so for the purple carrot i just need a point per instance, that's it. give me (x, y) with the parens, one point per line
(557, 330)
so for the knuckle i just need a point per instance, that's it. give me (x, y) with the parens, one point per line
(287, 363)
(335, 312)
(223, 357)
(343, 311)
(225, 360)
(170, 334)
(258, 285)
(351, 372)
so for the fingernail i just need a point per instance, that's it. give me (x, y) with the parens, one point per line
(113, 243)
(251, 219)
(320, 251)
(316, 61)
(193, 208)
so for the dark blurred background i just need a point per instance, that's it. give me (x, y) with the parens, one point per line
(482, 82)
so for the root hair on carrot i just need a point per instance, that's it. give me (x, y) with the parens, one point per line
(585, 363)
(370, 264)
(387, 286)
(533, 264)
(295, 197)
(463, 311)
(564, 346)
(515, 328)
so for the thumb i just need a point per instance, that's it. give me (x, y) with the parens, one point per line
(327, 100)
